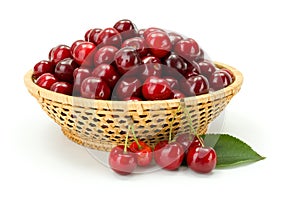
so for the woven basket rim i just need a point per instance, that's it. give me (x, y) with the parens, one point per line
(38, 92)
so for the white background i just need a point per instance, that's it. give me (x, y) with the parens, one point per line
(260, 38)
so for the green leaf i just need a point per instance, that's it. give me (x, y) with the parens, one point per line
(230, 150)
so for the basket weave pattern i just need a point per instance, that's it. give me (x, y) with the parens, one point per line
(100, 124)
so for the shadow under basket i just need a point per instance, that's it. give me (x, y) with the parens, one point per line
(103, 124)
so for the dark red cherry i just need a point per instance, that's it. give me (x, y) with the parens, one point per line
(42, 67)
(150, 59)
(195, 85)
(176, 94)
(105, 54)
(108, 73)
(65, 68)
(138, 43)
(168, 156)
(95, 88)
(59, 53)
(83, 53)
(126, 28)
(87, 35)
(207, 68)
(128, 87)
(126, 59)
(149, 69)
(150, 30)
(46, 80)
(79, 75)
(109, 37)
(196, 142)
(62, 87)
(142, 152)
(75, 44)
(120, 161)
(229, 72)
(175, 37)
(156, 88)
(93, 35)
(187, 48)
(185, 140)
(176, 62)
(159, 43)
(201, 159)
(173, 82)
(219, 80)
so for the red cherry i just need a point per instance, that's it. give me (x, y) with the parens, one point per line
(128, 87)
(108, 73)
(150, 30)
(173, 82)
(219, 80)
(132, 99)
(105, 54)
(143, 153)
(229, 72)
(46, 80)
(150, 59)
(126, 28)
(187, 48)
(82, 53)
(176, 62)
(201, 159)
(75, 44)
(175, 37)
(155, 88)
(196, 142)
(207, 68)
(176, 94)
(93, 35)
(42, 67)
(95, 88)
(185, 140)
(79, 75)
(159, 43)
(147, 70)
(65, 68)
(62, 87)
(87, 35)
(168, 156)
(59, 53)
(120, 161)
(127, 59)
(109, 37)
(195, 85)
(138, 43)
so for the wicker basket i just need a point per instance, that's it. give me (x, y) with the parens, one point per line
(100, 124)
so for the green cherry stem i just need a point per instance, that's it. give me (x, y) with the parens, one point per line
(134, 137)
(172, 122)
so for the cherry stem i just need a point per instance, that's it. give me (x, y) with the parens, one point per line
(134, 137)
(171, 127)
(192, 128)
(126, 142)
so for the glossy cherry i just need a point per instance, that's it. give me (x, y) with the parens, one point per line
(201, 159)
(42, 67)
(62, 87)
(150, 30)
(109, 37)
(64, 70)
(126, 59)
(207, 68)
(173, 82)
(150, 59)
(159, 43)
(59, 53)
(93, 35)
(220, 79)
(83, 53)
(95, 88)
(156, 88)
(108, 73)
(195, 85)
(168, 155)
(175, 37)
(149, 69)
(46, 80)
(79, 75)
(176, 94)
(187, 48)
(142, 151)
(126, 28)
(87, 35)
(122, 162)
(138, 43)
(75, 44)
(128, 87)
(176, 62)
(105, 54)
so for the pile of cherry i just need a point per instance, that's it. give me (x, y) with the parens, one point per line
(124, 63)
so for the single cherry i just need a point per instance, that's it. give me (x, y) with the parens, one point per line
(150, 30)
(201, 159)
(195, 85)
(159, 43)
(46, 80)
(108, 73)
(105, 54)
(87, 35)
(220, 79)
(187, 48)
(176, 94)
(42, 67)
(59, 53)
(126, 59)
(173, 82)
(142, 151)
(168, 155)
(156, 88)
(176, 62)
(128, 87)
(175, 37)
(75, 44)
(122, 161)
(95, 88)
(83, 53)
(65, 68)
(109, 37)
(138, 43)
(207, 68)
(149, 69)
(62, 87)
(150, 59)
(126, 28)
(79, 75)
(93, 35)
